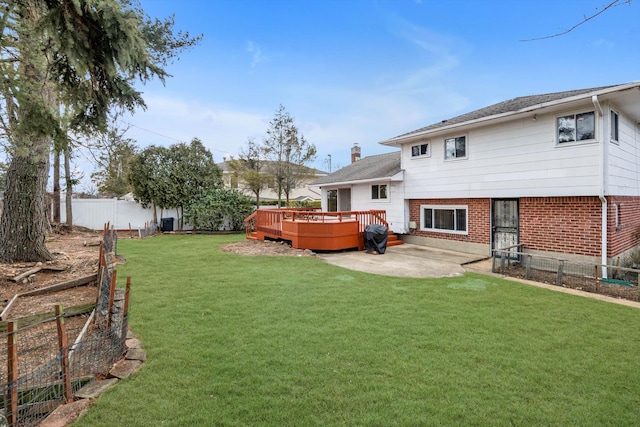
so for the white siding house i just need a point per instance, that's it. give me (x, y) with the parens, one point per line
(556, 173)
(371, 183)
(541, 170)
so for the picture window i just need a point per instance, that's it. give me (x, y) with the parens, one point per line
(446, 219)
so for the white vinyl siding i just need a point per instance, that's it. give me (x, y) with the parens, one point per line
(513, 159)
(623, 166)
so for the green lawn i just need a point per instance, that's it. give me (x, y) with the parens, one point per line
(291, 341)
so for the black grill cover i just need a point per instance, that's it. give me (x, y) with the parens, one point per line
(375, 238)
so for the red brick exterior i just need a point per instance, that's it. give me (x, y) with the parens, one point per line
(561, 224)
(627, 234)
(554, 224)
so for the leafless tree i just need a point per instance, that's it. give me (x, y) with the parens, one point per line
(586, 19)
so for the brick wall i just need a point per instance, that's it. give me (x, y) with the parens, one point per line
(624, 236)
(561, 224)
(479, 217)
(553, 224)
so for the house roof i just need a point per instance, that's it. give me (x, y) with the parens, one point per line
(224, 166)
(368, 168)
(512, 106)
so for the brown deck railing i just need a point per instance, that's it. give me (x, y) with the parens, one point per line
(268, 222)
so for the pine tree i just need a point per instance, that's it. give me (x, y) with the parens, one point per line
(85, 55)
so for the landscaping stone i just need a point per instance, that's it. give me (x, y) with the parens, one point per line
(95, 389)
(136, 354)
(66, 414)
(133, 343)
(124, 368)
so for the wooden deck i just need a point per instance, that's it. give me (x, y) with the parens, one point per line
(316, 230)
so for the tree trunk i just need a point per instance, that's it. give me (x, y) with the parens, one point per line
(56, 187)
(69, 186)
(155, 213)
(24, 225)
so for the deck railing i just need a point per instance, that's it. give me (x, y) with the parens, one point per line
(269, 221)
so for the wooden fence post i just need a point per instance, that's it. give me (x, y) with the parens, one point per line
(12, 374)
(63, 348)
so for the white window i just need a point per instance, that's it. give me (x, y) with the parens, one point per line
(421, 150)
(614, 126)
(576, 127)
(444, 219)
(455, 148)
(379, 192)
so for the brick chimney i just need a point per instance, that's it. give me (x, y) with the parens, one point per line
(355, 153)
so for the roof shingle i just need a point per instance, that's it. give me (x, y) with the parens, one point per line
(503, 107)
(371, 167)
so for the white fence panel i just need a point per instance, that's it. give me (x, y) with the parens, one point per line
(121, 214)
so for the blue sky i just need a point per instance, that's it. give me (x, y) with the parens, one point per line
(362, 71)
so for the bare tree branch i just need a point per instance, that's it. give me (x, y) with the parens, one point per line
(586, 19)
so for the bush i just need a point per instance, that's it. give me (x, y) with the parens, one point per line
(218, 209)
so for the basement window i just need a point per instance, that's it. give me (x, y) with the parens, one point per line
(444, 219)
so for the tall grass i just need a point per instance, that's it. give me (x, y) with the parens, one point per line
(291, 341)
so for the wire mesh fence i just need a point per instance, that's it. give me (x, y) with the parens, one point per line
(616, 281)
(49, 361)
(149, 229)
(50, 371)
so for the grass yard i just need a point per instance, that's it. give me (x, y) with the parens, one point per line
(238, 340)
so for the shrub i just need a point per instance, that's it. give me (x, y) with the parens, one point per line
(218, 209)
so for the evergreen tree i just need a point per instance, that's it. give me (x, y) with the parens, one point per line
(85, 55)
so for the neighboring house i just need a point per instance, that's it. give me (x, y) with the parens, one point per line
(558, 173)
(371, 183)
(300, 193)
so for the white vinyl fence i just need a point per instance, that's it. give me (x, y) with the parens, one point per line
(121, 214)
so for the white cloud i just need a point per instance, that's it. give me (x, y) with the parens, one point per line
(257, 56)
(170, 120)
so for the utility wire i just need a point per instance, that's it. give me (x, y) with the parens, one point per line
(166, 136)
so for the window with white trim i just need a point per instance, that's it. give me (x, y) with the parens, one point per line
(614, 126)
(379, 192)
(455, 148)
(444, 219)
(420, 150)
(576, 127)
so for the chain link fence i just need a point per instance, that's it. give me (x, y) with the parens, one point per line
(611, 280)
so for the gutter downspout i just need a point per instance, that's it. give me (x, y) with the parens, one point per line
(603, 182)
